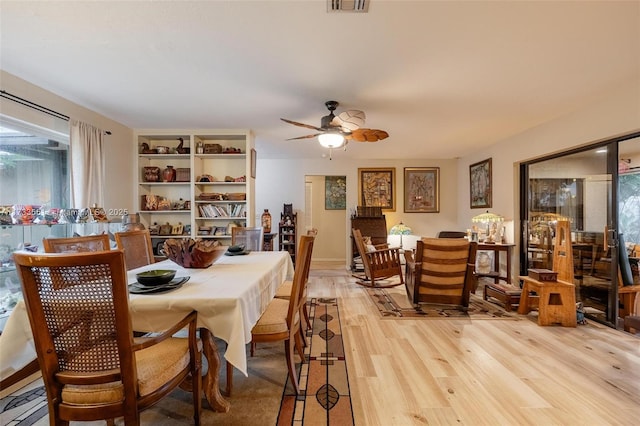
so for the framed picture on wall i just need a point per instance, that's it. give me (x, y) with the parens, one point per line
(376, 188)
(335, 192)
(480, 186)
(421, 189)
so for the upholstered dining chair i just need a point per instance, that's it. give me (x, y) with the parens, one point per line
(380, 262)
(251, 238)
(441, 271)
(137, 246)
(281, 320)
(85, 243)
(92, 367)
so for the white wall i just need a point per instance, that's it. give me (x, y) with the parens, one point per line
(616, 114)
(283, 181)
(119, 151)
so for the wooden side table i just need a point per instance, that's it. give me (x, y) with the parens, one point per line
(556, 301)
(497, 249)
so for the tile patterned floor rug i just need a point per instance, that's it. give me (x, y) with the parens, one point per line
(394, 303)
(323, 379)
(263, 398)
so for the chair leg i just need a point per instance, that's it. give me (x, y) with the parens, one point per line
(229, 378)
(291, 366)
(197, 393)
(299, 346)
(305, 313)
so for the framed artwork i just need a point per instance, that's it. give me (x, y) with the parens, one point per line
(335, 192)
(480, 185)
(253, 163)
(376, 188)
(421, 189)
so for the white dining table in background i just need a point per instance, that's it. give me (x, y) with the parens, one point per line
(229, 296)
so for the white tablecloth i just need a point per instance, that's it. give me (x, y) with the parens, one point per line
(229, 296)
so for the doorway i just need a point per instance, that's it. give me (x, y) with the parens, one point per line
(326, 212)
(593, 189)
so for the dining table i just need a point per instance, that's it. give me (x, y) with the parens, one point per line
(229, 296)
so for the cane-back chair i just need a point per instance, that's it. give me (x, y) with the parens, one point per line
(137, 246)
(441, 271)
(251, 238)
(85, 243)
(92, 367)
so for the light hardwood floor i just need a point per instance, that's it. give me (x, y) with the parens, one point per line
(481, 372)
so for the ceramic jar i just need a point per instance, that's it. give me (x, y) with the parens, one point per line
(266, 221)
(169, 174)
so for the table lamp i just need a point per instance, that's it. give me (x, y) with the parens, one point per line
(488, 219)
(400, 229)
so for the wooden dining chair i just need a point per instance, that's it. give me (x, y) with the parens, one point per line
(92, 367)
(284, 291)
(281, 320)
(85, 243)
(137, 246)
(251, 238)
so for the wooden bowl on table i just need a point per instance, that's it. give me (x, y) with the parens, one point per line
(190, 253)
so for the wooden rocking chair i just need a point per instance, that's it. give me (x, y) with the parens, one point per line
(380, 262)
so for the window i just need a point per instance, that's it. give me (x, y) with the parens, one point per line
(34, 167)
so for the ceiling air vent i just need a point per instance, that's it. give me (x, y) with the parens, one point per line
(361, 6)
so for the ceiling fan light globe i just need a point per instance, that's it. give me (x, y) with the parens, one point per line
(331, 140)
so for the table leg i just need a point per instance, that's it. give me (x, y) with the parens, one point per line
(210, 383)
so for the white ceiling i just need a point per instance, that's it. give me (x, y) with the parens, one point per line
(443, 78)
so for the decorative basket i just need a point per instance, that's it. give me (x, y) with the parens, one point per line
(183, 174)
(212, 148)
(236, 196)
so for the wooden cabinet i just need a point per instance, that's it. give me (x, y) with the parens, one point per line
(212, 190)
(288, 235)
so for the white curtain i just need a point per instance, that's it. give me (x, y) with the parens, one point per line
(87, 165)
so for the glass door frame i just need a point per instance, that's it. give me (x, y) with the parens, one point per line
(611, 145)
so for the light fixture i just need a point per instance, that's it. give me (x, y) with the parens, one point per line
(400, 229)
(331, 140)
(488, 219)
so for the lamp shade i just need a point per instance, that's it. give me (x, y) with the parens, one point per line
(487, 218)
(331, 140)
(400, 229)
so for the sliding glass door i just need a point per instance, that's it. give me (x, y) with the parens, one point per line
(582, 188)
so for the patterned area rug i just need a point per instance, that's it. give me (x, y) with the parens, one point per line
(258, 399)
(395, 304)
(323, 379)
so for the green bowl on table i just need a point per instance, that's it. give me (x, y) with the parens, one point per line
(156, 277)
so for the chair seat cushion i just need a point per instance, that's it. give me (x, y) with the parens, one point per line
(284, 291)
(156, 366)
(274, 318)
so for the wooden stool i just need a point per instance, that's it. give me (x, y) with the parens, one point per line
(556, 301)
(509, 296)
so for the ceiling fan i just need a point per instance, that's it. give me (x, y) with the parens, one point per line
(336, 131)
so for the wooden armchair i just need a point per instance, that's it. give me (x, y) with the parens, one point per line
(92, 367)
(379, 262)
(442, 271)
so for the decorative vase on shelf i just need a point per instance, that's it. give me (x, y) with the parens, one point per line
(266, 221)
(169, 174)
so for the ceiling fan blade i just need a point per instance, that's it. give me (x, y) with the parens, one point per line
(350, 120)
(304, 137)
(367, 135)
(295, 123)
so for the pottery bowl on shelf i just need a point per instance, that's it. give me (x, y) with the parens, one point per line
(156, 277)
